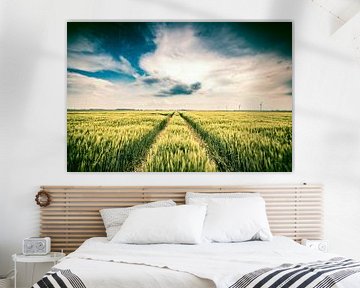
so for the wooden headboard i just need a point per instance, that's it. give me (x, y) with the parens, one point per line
(73, 215)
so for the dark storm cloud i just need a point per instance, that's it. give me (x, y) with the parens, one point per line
(247, 38)
(151, 80)
(168, 87)
(180, 89)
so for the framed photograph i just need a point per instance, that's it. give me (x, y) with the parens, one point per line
(179, 96)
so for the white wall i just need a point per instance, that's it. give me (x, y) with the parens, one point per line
(33, 97)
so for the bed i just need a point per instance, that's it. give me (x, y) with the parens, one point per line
(99, 263)
(294, 211)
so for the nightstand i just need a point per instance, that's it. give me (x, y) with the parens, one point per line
(53, 257)
(320, 245)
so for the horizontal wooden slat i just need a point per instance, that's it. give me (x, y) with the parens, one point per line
(49, 232)
(72, 226)
(100, 199)
(185, 187)
(73, 216)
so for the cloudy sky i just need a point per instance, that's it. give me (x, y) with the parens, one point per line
(200, 66)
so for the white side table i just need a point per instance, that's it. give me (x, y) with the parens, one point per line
(53, 257)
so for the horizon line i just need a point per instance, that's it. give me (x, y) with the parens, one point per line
(128, 109)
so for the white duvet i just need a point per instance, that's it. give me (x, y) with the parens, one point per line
(100, 263)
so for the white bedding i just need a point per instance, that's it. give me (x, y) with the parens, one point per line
(100, 263)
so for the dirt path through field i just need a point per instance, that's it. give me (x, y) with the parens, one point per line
(201, 142)
(140, 167)
(220, 163)
(178, 149)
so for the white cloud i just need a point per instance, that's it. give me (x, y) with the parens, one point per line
(87, 55)
(225, 80)
(83, 44)
(179, 55)
(100, 62)
(87, 92)
(125, 66)
(91, 63)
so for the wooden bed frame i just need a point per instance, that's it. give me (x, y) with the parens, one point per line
(73, 214)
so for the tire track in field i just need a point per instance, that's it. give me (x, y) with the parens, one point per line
(140, 167)
(202, 143)
(178, 149)
(158, 129)
(212, 152)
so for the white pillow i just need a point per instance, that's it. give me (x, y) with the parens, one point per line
(236, 220)
(180, 224)
(113, 218)
(204, 198)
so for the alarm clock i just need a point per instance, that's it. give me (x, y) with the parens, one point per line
(320, 245)
(36, 246)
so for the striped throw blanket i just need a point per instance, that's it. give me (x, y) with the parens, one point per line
(320, 274)
(59, 278)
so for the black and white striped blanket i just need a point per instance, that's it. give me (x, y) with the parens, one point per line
(57, 278)
(320, 274)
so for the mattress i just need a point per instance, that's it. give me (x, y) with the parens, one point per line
(99, 263)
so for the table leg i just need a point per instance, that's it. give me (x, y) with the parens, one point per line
(32, 274)
(26, 272)
(15, 273)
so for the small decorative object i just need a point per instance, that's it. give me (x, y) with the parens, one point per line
(36, 246)
(42, 198)
(320, 245)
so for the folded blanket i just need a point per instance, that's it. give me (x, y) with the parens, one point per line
(319, 274)
(59, 278)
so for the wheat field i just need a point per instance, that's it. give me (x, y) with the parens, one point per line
(179, 141)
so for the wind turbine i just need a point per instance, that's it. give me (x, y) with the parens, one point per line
(261, 106)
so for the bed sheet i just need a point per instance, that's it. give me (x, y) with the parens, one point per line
(100, 263)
